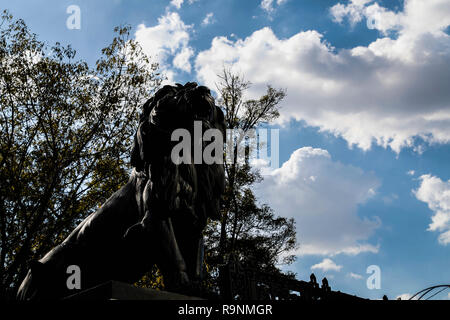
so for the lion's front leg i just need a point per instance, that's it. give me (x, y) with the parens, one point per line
(160, 233)
(171, 261)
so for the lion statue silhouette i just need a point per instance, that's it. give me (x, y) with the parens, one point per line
(157, 218)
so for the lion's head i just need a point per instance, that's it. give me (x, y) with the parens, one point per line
(187, 187)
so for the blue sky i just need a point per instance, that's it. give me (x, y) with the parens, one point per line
(364, 130)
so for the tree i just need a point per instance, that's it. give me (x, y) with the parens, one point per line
(247, 232)
(66, 132)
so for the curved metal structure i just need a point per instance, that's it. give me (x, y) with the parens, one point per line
(422, 293)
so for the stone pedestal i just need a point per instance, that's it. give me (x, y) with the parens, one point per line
(114, 290)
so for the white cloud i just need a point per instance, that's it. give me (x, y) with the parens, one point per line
(177, 3)
(326, 265)
(324, 208)
(268, 5)
(181, 60)
(353, 11)
(209, 19)
(391, 92)
(436, 193)
(381, 19)
(355, 276)
(169, 39)
(418, 16)
(404, 296)
(377, 17)
(411, 172)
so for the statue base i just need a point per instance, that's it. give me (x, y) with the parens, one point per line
(115, 290)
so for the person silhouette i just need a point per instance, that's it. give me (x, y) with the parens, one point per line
(313, 281)
(325, 285)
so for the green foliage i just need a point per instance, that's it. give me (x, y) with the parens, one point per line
(66, 132)
(152, 279)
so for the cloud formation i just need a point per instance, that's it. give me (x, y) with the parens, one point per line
(177, 3)
(268, 5)
(393, 92)
(167, 43)
(404, 296)
(436, 193)
(325, 208)
(355, 276)
(327, 265)
(209, 19)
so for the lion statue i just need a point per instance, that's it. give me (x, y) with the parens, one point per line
(157, 218)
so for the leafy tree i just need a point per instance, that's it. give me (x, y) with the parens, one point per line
(66, 132)
(248, 232)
